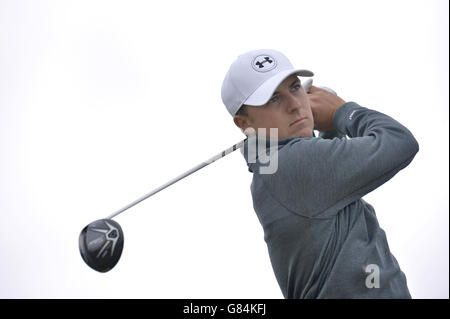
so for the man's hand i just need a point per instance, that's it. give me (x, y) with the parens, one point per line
(323, 105)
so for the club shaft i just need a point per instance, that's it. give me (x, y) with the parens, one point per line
(176, 179)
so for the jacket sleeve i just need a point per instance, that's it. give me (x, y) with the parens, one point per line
(318, 177)
(331, 134)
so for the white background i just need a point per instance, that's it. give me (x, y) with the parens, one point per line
(103, 101)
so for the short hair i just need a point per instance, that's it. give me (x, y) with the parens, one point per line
(243, 110)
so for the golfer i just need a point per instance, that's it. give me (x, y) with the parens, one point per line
(323, 239)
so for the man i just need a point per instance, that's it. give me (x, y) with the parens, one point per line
(324, 240)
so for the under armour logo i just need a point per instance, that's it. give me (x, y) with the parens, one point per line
(263, 63)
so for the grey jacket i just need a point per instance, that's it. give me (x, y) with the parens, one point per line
(323, 239)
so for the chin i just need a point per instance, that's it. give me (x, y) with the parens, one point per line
(310, 133)
(304, 132)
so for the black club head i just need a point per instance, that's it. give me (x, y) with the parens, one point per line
(101, 244)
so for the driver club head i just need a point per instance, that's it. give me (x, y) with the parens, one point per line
(101, 244)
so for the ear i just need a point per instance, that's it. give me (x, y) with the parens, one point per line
(241, 121)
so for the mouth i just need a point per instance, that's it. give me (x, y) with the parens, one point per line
(298, 121)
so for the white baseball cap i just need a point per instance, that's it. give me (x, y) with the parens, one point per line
(254, 76)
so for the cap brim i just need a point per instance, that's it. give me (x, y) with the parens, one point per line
(265, 91)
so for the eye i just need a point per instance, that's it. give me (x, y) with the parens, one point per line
(296, 87)
(273, 99)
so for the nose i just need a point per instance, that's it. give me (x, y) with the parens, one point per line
(294, 104)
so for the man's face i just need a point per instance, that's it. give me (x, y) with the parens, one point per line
(288, 104)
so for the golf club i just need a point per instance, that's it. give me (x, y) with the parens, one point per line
(101, 242)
